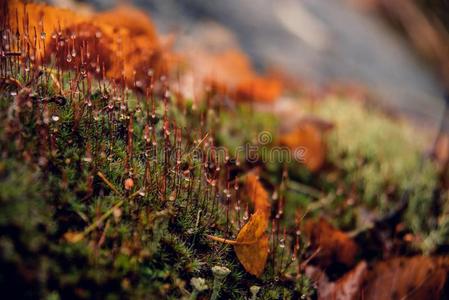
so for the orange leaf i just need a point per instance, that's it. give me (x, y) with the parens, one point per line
(335, 245)
(418, 277)
(258, 195)
(308, 135)
(252, 244)
(349, 287)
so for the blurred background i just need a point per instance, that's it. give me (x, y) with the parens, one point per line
(393, 49)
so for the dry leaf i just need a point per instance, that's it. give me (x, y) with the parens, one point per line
(252, 244)
(418, 277)
(309, 135)
(349, 287)
(335, 245)
(258, 195)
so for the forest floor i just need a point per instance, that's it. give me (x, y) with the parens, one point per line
(123, 177)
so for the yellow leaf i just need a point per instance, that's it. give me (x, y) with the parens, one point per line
(252, 244)
(258, 195)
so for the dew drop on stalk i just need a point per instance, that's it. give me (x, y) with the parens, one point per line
(43, 35)
(281, 243)
(13, 93)
(73, 52)
(55, 118)
(69, 58)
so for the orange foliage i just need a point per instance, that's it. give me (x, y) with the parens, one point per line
(259, 89)
(418, 277)
(230, 70)
(346, 288)
(123, 39)
(334, 245)
(82, 43)
(252, 244)
(258, 195)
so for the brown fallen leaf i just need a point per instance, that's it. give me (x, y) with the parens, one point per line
(335, 246)
(418, 277)
(309, 135)
(258, 195)
(348, 287)
(251, 245)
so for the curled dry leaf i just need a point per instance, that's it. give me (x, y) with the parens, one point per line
(335, 246)
(349, 287)
(308, 135)
(252, 244)
(418, 277)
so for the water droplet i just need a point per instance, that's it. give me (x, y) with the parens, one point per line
(13, 93)
(73, 53)
(43, 35)
(69, 58)
(55, 118)
(87, 159)
(98, 34)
